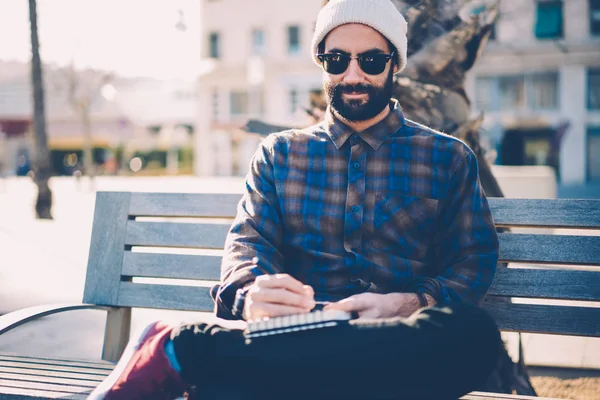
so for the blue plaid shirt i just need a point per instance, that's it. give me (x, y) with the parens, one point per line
(395, 208)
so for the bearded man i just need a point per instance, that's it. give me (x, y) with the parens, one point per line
(366, 211)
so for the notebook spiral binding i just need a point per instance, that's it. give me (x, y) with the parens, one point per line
(295, 323)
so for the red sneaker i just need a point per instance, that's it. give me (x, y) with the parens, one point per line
(144, 371)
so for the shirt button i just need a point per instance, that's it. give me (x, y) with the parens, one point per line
(354, 208)
(356, 165)
(356, 137)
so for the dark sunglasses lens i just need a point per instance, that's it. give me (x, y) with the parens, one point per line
(374, 64)
(335, 64)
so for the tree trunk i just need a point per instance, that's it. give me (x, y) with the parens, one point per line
(41, 159)
(88, 155)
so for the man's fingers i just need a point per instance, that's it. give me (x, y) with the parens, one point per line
(358, 302)
(263, 310)
(369, 313)
(281, 296)
(282, 281)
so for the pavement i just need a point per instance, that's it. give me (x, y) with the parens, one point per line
(45, 261)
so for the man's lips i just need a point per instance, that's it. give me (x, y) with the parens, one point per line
(355, 94)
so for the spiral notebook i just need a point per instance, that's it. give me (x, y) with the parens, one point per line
(294, 323)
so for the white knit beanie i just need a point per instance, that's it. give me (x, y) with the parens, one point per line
(380, 15)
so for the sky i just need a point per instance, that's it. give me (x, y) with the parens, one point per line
(130, 37)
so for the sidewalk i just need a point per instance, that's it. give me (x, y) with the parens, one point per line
(45, 261)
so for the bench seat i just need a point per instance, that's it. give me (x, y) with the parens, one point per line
(24, 377)
(44, 378)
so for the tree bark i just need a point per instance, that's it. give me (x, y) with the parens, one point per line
(88, 154)
(41, 159)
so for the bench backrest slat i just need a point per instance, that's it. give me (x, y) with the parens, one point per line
(556, 213)
(175, 266)
(170, 297)
(540, 283)
(579, 321)
(132, 231)
(173, 234)
(206, 205)
(549, 249)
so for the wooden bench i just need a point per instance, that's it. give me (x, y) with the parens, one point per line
(126, 225)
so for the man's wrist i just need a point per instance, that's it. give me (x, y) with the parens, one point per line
(431, 288)
(422, 300)
(403, 304)
(430, 300)
(239, 303)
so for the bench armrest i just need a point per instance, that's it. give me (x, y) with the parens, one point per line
(17, 318)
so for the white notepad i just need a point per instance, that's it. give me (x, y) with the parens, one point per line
(295, 323)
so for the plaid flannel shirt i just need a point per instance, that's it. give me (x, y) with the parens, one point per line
(396, 208)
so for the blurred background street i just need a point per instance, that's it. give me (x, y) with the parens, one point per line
(176, 95)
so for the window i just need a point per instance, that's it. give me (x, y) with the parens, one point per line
(258, 42)
(214, 43)
(293, 39)
(595, 17)
(538, 91)
(238, 103)
(215, 104)
(593, 97)
(542, 91)
(484, 93)
(549, 21)
(293, 101)
(593, 153)
(512, 92)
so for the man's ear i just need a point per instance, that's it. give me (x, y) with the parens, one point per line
(396, 68)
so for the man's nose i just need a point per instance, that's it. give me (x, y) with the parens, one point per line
(354, 74)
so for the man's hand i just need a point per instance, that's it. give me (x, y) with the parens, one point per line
(373, 305)
(276, 295)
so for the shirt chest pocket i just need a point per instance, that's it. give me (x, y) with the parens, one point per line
(404, 224)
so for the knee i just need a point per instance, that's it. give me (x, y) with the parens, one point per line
(478, 335)
(467, 329)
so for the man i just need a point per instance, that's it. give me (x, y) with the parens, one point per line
(368, 211)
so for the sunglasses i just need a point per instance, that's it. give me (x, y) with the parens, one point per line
(337, 63)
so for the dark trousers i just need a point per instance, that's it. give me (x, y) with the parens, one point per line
(438, 353)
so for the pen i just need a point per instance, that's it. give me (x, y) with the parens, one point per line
(255, 261)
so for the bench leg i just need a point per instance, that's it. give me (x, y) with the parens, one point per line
(116, 335)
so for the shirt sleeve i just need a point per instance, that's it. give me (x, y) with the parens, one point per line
(255, 232)
(466, 243)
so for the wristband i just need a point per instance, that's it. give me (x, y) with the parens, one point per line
(422, 299)
(239, 302)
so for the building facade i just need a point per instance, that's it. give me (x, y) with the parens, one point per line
(256, 65)
(538, 83)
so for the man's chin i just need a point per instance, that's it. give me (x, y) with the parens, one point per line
(356, 112)
(353, 116)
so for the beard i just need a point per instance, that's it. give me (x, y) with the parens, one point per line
(356, 110)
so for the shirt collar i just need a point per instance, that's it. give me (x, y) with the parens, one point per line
(339, 132)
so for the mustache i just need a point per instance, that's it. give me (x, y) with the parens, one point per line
(358, 88)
